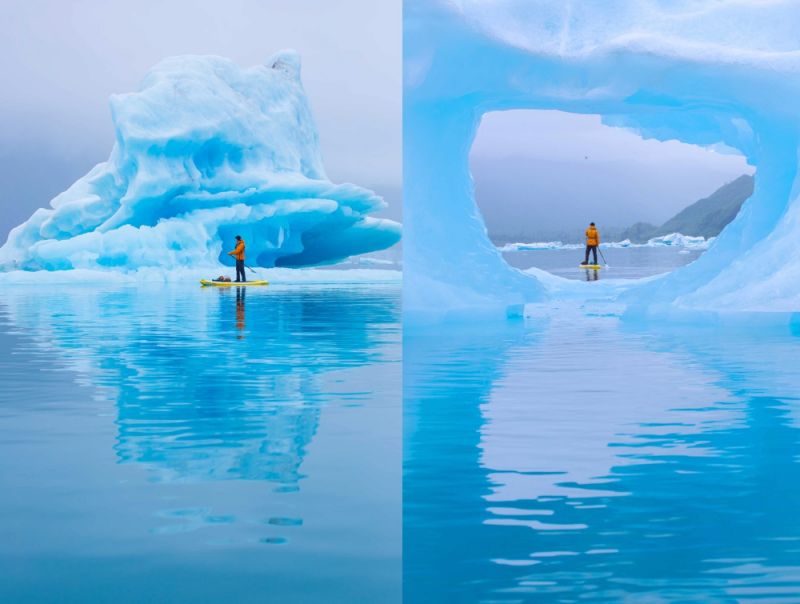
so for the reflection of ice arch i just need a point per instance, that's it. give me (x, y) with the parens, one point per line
(699, 433)
(232, 394)
(705, 74)
(582, 429)
(690, 430)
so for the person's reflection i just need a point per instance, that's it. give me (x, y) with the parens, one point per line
(240, 292)
(592, 275)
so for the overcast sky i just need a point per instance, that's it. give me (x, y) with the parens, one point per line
(549, 171)
(60, 61)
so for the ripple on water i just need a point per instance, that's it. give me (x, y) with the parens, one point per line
(168, 427)
(609, 460)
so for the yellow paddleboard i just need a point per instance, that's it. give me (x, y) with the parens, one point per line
(594, 267)
(205, 282)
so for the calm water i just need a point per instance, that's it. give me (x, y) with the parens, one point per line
(624, 263)
(588, 460)
(179, 444)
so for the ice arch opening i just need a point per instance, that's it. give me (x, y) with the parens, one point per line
(541, 176)
(704, 73)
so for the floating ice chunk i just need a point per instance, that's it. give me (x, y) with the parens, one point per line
(205, 150)
(678, 240)
(537, 245)
(671, 240)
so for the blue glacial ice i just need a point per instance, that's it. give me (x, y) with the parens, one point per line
(205, 150)
(724, 75)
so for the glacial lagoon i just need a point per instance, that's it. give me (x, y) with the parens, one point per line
(169, 443)
(582, 456)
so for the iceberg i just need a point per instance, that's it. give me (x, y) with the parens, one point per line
(537, 245)
(723, 75)
(205, 150)
(678, 240)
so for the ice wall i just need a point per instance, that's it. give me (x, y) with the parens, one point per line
(703, 72)
(205, 150)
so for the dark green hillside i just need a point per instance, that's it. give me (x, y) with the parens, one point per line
(706, 217)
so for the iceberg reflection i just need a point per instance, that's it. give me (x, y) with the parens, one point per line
(214, 384)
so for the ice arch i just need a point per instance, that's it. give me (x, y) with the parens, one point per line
(706, 73)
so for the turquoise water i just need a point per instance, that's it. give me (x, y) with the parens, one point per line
(179, 444)
(586, 459)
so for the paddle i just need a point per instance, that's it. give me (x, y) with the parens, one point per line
(603, 257)
(251, 269)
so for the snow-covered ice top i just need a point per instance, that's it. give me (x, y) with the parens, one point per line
(719, 74)
(206, 150)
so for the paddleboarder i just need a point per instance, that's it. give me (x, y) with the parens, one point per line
(238, 253)
(592, 241)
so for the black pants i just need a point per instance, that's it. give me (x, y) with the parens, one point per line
(240, 276)
(593, 249)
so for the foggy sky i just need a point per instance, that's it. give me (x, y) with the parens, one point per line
(60, 61)
(549, 171)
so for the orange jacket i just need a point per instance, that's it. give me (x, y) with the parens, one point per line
(238, 253)
(592, 236)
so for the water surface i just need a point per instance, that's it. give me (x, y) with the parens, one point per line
(623, 263)
(173, 444)
(584, 459)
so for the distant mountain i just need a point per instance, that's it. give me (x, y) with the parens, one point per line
(638, 233)
(706, 217)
